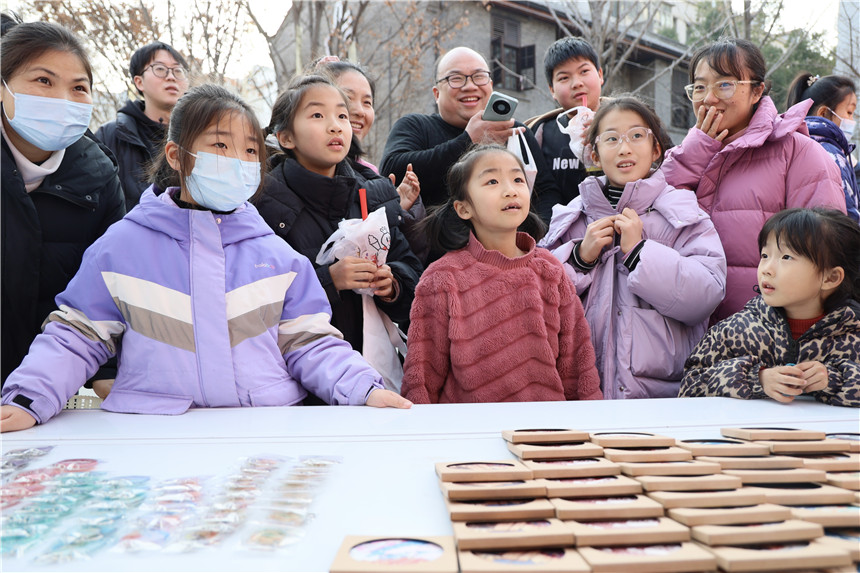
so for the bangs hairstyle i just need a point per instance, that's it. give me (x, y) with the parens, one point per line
(828, 238)
(828, 91)
(628, 102)
(445, 229)
(24, 42)
(733, 57)
(193, 114)
(565, 49)
(290, 100)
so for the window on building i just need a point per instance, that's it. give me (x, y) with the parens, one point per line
(513, 65)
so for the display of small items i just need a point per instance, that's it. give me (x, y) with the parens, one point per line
(755, 499)
(68, 510)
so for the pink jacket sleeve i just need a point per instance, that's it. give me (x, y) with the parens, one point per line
(576, 358)
(428, 359)
(685, 164)
(812, 178)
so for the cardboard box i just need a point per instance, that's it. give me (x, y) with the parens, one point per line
(688, 468)
(656, 454)
(757, 533)
(393, 554)
(531, 534)
(778, 557)
(643, 531)
(582, 467)
(846, 539)
(567, 450)
(689, 483)
(772, 434)
(544, 436)
(753, 463)
(727, 498)
(852, 438)
(631, 440)
(829, 515)
(724, 447)
(557, 560)
(803, 493)
(504, 470)
(806, 447)
(680, 557)
(792, 475)
(760, 513)
(836, 462)
(612, 507)
(591, 486)
(845, 480)
(473, 491)
(500, 510)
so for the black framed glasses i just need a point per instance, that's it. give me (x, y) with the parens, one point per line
(722, 90)
(161, 71)
(456, 81)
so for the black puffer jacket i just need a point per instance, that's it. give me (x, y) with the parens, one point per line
(304, 209)
(45, 233)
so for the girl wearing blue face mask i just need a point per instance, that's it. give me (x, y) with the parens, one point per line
(205, 305)
(60, 190)
(831, 123)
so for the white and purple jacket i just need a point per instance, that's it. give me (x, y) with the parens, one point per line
(203, 310)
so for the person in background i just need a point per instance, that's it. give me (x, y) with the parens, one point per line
(495, 319)
(136, 136)
(744, 161)
(643, 256)
(60, 190)
(801, 335)
(575, 78)
(204, 304)
(831, 123)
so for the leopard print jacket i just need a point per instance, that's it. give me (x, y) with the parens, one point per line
(726, 362)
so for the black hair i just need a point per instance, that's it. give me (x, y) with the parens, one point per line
(828, 238)
(445, 229)
(141, 58)
(337, 68)
(567, 48)
(828, 91)
(629, 102)
(733, 57)
(289, 101)
(192, 115)
(23, 42)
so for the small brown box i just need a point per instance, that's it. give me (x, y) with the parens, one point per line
(544, 436)
(792, 475)
(753, 463)
(556, 560)
(376, 554)
(803, 493)
(771, 434)
(761, 513)
(689, 483)
(655, 454)
(845, 480)
(675, 557)
(504, 470)
(555, 451)
(724, 447)
(757, 533)
(727, 498)
(500, 510)
(836, 462)
(631, 440)
(829, 515)
(531, 534)
(852, 438)
(472, 491)
(806, 447)
(781, 558)
(614, 507)
(847, 539)
(688, 468)
(591, 486)
(581, 467)
(644, 531)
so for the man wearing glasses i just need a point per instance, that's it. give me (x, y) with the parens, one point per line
(160, 75)
(432, 143)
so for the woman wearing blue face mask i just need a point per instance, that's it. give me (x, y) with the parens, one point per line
(59, 189)
(203, 303)
(831, 123)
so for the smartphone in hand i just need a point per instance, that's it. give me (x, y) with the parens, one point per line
(500, 107)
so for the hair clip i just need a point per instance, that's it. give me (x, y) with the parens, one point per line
(812, 80)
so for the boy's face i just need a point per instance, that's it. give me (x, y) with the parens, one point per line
(575, 78)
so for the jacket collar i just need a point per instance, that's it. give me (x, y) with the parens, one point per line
(329, 196)
(843, 319)
(767, 125)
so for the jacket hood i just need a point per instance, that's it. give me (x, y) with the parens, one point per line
(161, 214)
(823, 130)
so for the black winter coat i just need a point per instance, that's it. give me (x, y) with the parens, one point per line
(304, 209)
(45, 233)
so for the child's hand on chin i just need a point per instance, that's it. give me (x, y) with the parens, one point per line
(381, 398)
(13, 419)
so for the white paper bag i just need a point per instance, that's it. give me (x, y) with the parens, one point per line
(369, 239)
(382, 341)
(518, 145)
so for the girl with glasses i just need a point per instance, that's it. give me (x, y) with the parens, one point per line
(645, 259)
(743, 160)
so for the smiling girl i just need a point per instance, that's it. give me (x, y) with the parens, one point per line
(644, 257)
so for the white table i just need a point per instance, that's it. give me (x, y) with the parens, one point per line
(386, 483)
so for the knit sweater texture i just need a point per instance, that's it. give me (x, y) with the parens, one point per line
(488, 328)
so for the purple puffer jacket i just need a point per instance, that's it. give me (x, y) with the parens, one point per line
(772, 166)
(204, 310)
(646, 322)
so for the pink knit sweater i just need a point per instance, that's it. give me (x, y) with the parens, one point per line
(487, 328)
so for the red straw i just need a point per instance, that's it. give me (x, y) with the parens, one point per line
(362, 196)
(584, 100)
